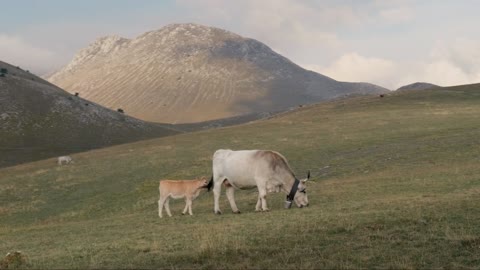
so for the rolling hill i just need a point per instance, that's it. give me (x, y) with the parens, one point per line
(417, 86)
(40, 120)
(395, 185)
(185, 73)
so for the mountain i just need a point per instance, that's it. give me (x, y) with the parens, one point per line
(39, 120)
(188, 73)
(417, 86)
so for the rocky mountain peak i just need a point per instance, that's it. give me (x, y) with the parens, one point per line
(103, 46)
(189, 72)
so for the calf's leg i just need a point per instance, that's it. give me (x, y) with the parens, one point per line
(160, 206)
(189, 204)
(186, 207)
(167, 207)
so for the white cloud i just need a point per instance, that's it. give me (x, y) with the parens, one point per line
(300, 29)
(353, 67)
(16, 51)
(397, 15)
(447, 64)
(454, 62)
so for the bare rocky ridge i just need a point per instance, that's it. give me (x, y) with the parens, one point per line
(188, 73)
(40, 120)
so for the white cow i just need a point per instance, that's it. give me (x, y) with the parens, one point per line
(64, 159)
(246, 169)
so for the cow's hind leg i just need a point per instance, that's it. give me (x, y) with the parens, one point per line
(231, 198)
(217, 188)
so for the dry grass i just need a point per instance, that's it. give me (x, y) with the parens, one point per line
(395, 187)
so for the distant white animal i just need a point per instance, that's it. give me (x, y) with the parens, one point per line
(64, 159)
(177, 189)
(246, 169)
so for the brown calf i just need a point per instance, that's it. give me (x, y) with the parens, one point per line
(177, 189)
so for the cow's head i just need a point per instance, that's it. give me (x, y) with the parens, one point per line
(301, 198)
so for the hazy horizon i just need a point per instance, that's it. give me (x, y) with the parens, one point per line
(388, 43)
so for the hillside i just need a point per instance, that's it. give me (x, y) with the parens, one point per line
(417, 86)
(39, 120)
(185, 73)
(395, 185)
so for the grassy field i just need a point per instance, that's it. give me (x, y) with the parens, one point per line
(397, 185)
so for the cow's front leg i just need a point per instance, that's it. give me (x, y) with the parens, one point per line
(262, 195)
(258, 207)
(231, 198)
(217, 188)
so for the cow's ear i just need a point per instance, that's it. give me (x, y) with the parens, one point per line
(308, 177)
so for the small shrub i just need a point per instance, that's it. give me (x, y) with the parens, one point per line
(76, 94)
(120, 110)
(13, 260)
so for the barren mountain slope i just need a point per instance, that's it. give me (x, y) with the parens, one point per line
(39, 120)
(188, 73)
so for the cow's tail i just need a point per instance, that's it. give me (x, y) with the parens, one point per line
(210, 184)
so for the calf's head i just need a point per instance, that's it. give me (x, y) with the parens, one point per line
(204, 183)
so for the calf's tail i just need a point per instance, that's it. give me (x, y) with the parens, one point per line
(210, 184)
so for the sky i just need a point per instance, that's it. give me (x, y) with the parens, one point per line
(386, 42)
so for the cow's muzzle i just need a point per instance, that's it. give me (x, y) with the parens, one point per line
(303, 205)
(288, 204)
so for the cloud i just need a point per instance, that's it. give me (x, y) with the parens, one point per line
(354, 67)
(300, 29)
(454, 62)
(447, 64)
(16, 51)
(397, 15)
